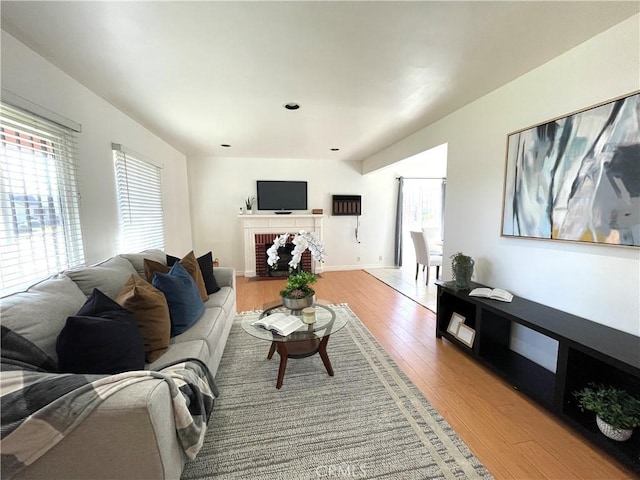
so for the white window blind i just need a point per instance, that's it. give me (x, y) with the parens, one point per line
(40, 230)
(139, 201)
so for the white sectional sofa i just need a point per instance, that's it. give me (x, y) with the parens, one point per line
(132, 434)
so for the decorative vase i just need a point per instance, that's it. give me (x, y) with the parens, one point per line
(613, 433)
(298, 303)
(249, 211)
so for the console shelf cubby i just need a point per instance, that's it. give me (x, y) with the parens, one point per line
(586, 352)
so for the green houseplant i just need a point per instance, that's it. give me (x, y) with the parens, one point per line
(299, 285)
(297, 293)
(617, 411)
(462, 268)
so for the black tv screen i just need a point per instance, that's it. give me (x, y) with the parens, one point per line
(281, 195)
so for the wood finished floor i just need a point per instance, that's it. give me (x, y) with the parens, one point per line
(510, 434)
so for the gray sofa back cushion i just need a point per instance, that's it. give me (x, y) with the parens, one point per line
(109, 277)
(39, 313)
(137, 259)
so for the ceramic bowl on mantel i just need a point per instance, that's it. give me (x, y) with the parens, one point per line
(298, 303)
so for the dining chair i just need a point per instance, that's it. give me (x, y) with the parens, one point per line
(434, 240)
(423, 256)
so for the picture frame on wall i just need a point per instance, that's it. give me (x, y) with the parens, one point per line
(466, 335)
(454, 323)
(575, 178)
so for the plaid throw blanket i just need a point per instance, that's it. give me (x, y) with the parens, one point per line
(38, 408)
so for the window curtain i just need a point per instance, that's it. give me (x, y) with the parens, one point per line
(443, 187)
(398, 231)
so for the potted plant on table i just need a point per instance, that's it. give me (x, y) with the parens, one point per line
(462, 268)
(298, 293)
(617, 411)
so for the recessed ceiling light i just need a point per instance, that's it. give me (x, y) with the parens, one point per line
(225, 145)
(335, 149)
(291, 106)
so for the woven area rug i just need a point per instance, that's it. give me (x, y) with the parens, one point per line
(368, 421)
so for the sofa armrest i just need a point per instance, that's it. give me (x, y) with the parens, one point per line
(225, 277)
(131, 435)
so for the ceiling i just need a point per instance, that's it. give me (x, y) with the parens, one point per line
(366, 74)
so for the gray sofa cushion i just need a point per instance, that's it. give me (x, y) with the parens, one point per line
(209, 328)
(181, 351)
(109, 277)
(39, 313)
(137, 259)
(222, 298)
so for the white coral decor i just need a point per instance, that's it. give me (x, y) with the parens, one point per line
(301, 241)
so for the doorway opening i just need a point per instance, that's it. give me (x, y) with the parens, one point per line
(421, 203)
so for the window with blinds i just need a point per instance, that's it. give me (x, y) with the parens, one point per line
(40, 230)
(139, 201)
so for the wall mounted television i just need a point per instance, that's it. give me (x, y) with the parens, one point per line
(281, 196)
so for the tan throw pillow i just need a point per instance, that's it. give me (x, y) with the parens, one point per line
(151, 313)
(151, 267)
(190, 264)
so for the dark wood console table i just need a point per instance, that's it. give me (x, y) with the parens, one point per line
(587, 351)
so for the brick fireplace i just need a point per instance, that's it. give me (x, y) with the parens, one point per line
(262, 243)
(259, 231)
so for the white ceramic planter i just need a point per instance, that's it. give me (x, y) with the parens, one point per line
(617, 434)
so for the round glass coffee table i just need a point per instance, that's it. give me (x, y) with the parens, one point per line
(307, 340)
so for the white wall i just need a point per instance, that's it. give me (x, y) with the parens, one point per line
(218, 187)
(30, 76)
(601, 283)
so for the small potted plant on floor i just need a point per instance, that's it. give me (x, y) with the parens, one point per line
(298, 293)
(617, 411)
(462, 268)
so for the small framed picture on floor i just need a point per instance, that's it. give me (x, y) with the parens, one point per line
(454, 323)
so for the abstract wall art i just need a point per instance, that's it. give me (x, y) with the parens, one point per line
(577, 178)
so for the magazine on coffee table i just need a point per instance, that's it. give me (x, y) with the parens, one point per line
(281, 323)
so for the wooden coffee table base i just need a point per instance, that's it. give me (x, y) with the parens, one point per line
(301, 349)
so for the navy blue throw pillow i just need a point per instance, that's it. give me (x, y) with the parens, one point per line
(205, 262)
(102, 338)
(184, 300)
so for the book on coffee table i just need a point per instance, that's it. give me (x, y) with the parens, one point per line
(281, 323)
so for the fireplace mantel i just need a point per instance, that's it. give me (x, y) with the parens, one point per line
(261, 223)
